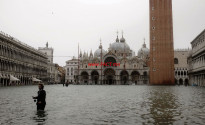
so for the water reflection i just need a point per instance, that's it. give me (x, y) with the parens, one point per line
(40, 117)
(164, 106)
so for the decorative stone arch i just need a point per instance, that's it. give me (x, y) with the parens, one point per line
(145, 73)
(110, 59)
(176, 81)
(180, 81)
(135, 76)
(186, 82)
(84, 77)
(178, 73)
(110, 55)
(124, 77)
(185, 73)
(109, 76)
(1, 48)
(7, 65)
(145, 77)
(95, 77)
(4, 50)
(176, 61)
(182, 73)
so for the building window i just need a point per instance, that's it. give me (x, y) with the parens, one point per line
(153, 38)
(86, 66)
(154, 69)
(153, 28)
(71, 71)
(182, 73)
(153, 18)
(152, 8)
(176, 61)
(67, 71)
(185, 73)
(153, 48)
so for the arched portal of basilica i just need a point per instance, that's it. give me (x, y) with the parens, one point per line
(95, 77)
(135, 76)
(84, 77)
(124, 77)
(109, 76)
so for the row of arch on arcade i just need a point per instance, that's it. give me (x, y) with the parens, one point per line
(23, 68)
(5, 81)
(110, 77)
(181, 73)
(182, 81)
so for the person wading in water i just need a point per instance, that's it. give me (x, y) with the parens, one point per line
(41, 98)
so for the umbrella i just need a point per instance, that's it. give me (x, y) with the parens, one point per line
(12, 78)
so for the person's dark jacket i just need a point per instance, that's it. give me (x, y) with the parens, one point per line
(41, 97)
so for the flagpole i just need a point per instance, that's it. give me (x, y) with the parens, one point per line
(101, 61)
(78, 64)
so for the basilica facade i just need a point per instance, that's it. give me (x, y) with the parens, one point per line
(124, 68)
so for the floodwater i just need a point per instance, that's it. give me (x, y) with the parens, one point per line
(104, 105)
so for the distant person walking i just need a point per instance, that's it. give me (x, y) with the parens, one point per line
(41, 98)
(66, 84)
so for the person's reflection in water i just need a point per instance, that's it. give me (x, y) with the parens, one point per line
(40, 117)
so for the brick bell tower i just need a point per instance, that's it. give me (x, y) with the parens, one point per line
(161, 43)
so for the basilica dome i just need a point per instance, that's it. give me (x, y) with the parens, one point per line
(97, 53)
(122, 40)
(144, 51)
(120, 46)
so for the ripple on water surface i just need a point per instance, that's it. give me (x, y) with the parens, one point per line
(88, 105)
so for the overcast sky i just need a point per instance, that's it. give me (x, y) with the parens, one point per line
(64, 23)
